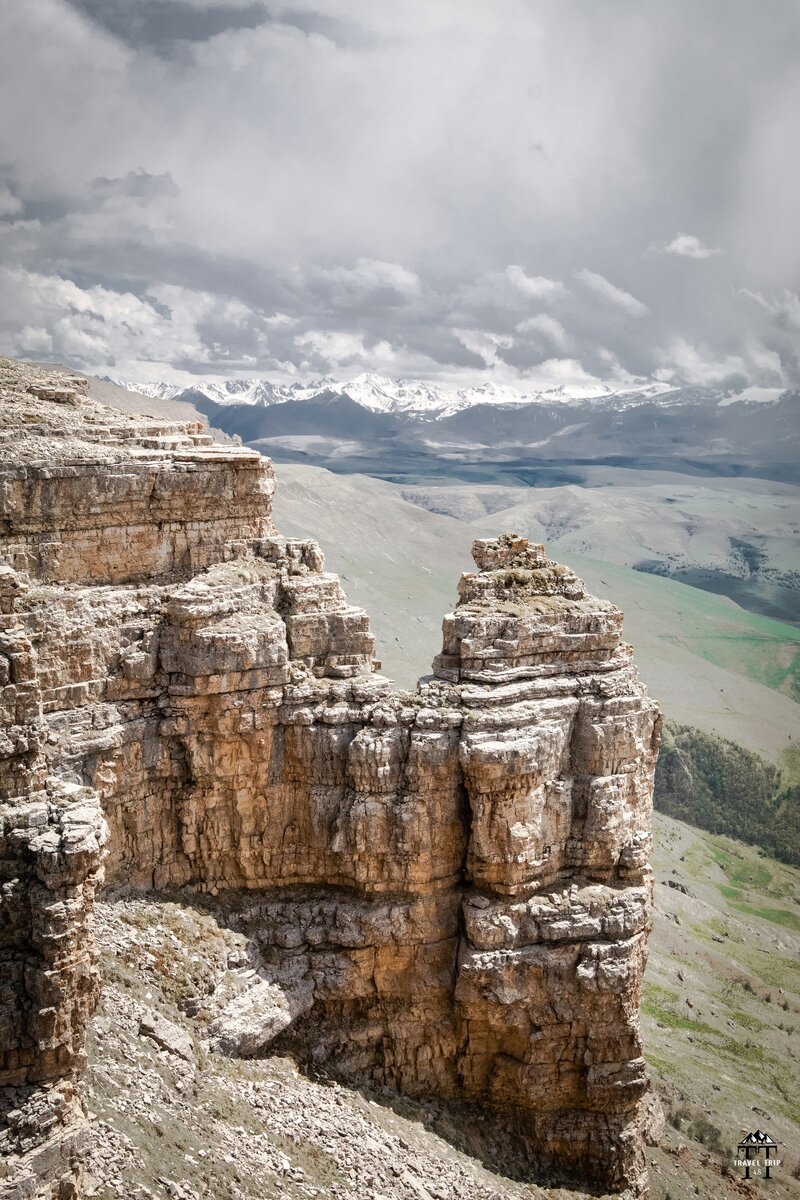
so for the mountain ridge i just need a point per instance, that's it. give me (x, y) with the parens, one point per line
(429, 401)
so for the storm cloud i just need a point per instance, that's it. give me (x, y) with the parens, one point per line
(534, 191)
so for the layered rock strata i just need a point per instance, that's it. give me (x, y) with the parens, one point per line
(447, 891)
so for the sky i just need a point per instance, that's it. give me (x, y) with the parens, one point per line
(533, 192)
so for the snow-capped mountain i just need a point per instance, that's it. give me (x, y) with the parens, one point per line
(405, 429)
(408, 396)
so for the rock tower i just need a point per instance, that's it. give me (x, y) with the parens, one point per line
(450, 886)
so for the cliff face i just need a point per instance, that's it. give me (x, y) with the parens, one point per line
(448, 889)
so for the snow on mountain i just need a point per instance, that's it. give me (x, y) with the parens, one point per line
(156, 391)
(393, 395)
(414, 396)
(229, 391)
(425, 401)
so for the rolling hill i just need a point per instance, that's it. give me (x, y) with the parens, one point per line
(711, 663)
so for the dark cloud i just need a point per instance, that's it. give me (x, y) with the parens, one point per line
(159, 24)
(341, 32)
(166, 26)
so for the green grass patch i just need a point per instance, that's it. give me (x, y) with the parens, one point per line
(730, 893)
(741, 1051)
(659, 995)
(700, 931)
(784, 1082)
(740, 872)
(674, 1020)
(777, 916)
(696, 861)
(679, 958)
(768, 652)
(774, 971)
(720, 927)
(746, 1021)
(665, 1067)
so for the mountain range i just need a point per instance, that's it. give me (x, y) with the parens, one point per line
(415, 397)
(406, 431)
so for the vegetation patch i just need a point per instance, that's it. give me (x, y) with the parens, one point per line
(696, 1125)
(746, 1021)
(740, 1051)
(717, 926)
(675, 1020)
(739, 871)
(785, 1085)
(774, 970)
(659, 995)
(715, 784)
(778, 916)
(666, 1067)
(765, 650)
(790, 764)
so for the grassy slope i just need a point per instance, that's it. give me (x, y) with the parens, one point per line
(400, 563)
(709, 662)
(627, 516)
(721, 1013)
(723, 633)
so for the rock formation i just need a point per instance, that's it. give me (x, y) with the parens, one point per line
(448, 889)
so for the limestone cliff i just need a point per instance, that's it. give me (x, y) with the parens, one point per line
(449, 888)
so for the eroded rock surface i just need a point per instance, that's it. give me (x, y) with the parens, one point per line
(447, 891)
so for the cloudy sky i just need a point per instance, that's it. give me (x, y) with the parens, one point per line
(532, 191)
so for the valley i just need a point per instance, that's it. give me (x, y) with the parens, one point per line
(690, 483)
(710, 662)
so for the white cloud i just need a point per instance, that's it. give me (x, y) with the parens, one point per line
(10, 204)
(485, 344)
(91, 325)
(687, 363)
(97, 328)
(32, 339)
(569, 374)
(546, 325)
(367, 276)
(280, 320)
(343, 349)
(686, 245)
(613, 294)
(780, 337)
(785, 307)
(538, 287)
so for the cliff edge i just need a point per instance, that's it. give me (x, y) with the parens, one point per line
(449, 889)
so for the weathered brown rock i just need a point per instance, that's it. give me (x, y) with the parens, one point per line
(448, 890)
